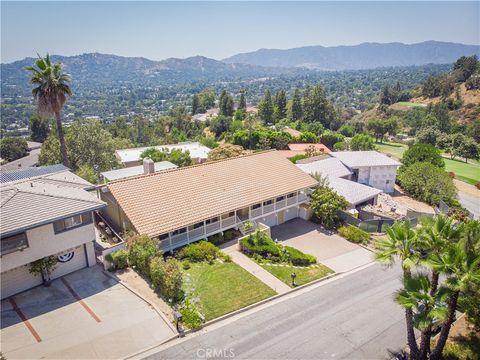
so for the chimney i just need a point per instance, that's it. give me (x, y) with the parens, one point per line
(148, 166)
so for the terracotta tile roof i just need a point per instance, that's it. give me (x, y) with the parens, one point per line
(303, 147)
(158, 203)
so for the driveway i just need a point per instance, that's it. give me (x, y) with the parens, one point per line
(330, 249)
(82, 315)
(469, 197)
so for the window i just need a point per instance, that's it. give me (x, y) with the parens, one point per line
(14, 243)
(268, 202)
(291, 195)
(212, 220)
(280, 198)
(229, 215)
(179, 231)
(163, 237)
(198, 225)
(256, 206)
(72, 222)
(387, 182)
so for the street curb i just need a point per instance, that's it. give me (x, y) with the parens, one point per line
(157, 310)
(249, 307)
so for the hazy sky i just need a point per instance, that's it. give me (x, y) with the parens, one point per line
(159, 30)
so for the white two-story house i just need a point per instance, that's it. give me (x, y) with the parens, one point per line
(370, 168)
(45, 211)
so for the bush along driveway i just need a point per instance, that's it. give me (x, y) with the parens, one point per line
(287, 263)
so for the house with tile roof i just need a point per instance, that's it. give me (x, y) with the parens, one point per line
(183, 205)
(46, 211)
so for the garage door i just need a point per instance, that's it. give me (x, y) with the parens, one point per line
(69, 261)
(291, 213)
(270, 220)
(18, 280)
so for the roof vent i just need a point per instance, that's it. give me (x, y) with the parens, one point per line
(148, 166)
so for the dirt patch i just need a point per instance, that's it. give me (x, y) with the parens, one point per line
(467, 188)
(404, 200)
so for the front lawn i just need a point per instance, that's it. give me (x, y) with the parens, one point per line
(304, 274)
(221, 288)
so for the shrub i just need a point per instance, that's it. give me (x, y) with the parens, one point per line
(354, 234)
(298, 258)
(451, 174)
(118, 259)
(477, 185)
(141, 249)
(167, 277)
(228, 235)
(186, 264)
(297, 157)
(225, 257)
(200, 251)
(216, 239)
(427, 182)
(190, 315)
(422, 153)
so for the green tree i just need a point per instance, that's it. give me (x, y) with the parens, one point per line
(206, 100)
(51, 90)
(39, 127)
(422, 153)
(280, 106)
(167, 277)
(401, 243)
(86, 172)
(428, 183)
(296, 111)
(326, 204)
(468, 149)
(330, 138)
(195, 104)
(265, 107)
(346, 130)
(316, 107)
(220, 124)
(428, 135)
(465, 66)
(362, 142)
(175, 156)
(13, 148)
(440, 112)
(242, 104)
(226, 106)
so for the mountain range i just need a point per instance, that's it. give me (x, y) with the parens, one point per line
(357, 57)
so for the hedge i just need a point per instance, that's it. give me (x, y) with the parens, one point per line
(200, 251)
(353, 234)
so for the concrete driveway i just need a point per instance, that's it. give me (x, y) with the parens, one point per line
(330, 249)
(82, 315)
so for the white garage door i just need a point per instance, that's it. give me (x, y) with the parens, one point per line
(291, 213)
(270, 220)
(18, 280)
(69, 261)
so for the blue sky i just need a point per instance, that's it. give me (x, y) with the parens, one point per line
(158, 30)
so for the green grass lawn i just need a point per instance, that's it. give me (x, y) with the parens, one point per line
(468, 172)
(223, 287)
(304, 274)
(410, 104)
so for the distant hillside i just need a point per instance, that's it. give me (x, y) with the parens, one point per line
(363, 56)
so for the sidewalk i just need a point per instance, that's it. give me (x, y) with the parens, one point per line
(252, 267)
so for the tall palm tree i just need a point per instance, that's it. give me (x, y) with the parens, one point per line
(401, 242)
(51, 91)
(461, 265)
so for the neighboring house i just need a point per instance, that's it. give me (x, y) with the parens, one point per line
(46, 211)
(27, 161)
(338, 177)
(371, 168)
(131, 157)
(187, 204)
(301, 148)
(148, 167)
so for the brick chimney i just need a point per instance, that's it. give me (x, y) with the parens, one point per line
(148, 166)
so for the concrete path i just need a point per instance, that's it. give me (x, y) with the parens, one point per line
(351, 317)
(469, 197)
(252, 267)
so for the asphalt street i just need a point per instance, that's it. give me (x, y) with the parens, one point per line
(353, 317)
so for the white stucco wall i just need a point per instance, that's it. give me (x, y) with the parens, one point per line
(381, 177)
(42, 241)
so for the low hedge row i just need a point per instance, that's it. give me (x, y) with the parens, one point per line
(354, 234)
(262, 245)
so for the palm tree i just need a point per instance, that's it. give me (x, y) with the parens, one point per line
(461, 265)
(427, 308)
(401, 242)
(51, 91)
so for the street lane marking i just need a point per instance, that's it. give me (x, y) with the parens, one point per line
(79, 299)
(25, 320)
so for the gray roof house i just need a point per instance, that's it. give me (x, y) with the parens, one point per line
(46, 211)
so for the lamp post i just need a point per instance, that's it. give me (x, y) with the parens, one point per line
(293, 275)
(178, 322)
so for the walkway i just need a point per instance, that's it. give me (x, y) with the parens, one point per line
(252, 267)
